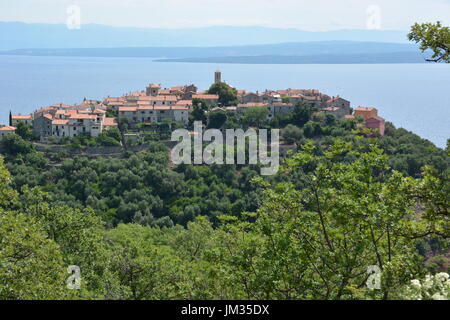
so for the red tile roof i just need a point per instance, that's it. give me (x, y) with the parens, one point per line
(83, 116)
(184, 102)
(205, 96)
(20, 117)
(365, 109)
(127, 109)
(7, 128)
(110, 122)
(60, 122)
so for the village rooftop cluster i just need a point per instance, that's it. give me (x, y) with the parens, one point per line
(156, 104)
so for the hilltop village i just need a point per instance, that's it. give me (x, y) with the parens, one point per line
(156, 104)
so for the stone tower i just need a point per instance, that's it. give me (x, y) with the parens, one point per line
(217, 76)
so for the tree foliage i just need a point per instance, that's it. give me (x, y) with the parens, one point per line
(227, 94)
(434, 37)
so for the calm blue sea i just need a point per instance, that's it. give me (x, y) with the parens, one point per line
(413, 96)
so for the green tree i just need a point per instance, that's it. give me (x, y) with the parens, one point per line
(316, 239)
(227, 94)
(216, 120)
(432, 36)
(139, 269)
(255, 116)
(292, 134)
(24, 131)
(302, 114)
(14, 145)
(31, 265)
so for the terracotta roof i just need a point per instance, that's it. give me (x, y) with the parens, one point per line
(60, 122)
(19, 117)
(44, 109)
(99, 111)
(205, 96)
(145, 107)
(7, 128)
(110, 122)
(116, 103)
(184, 102)
(365, 109)
(61, 105)
(158, 98)
(113, 99)
(127, 109)
(48, 116)
(83, 116)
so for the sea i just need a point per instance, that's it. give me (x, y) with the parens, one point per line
(412, 96)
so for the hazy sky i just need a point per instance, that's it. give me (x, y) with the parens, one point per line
(302, 14)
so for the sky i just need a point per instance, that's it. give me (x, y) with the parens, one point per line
(311, 15)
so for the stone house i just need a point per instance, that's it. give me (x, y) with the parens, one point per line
(6, 130)
(366, 112)
(153, 90)
(27, 119)
(211, 99)
(376, 123)
(336, 111)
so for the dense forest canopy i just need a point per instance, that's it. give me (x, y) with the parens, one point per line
(140, 228)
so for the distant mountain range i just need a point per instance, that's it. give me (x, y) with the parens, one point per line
(17, 35)
(210, 45)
